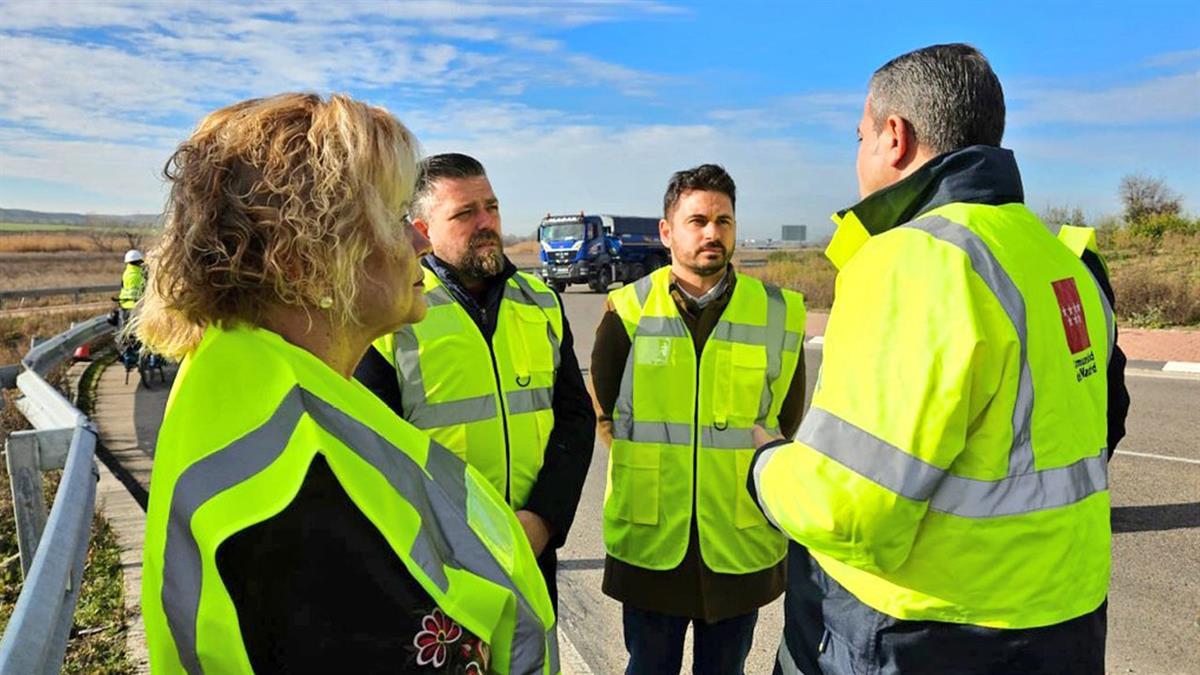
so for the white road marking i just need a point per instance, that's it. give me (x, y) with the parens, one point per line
(569, 659)
(1159, 375)
(1182, 367)
(1154, 456)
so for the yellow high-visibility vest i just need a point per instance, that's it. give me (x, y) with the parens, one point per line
(956, 471)
(133, 286)
(248, 413)
(489, 403)
(682, 426)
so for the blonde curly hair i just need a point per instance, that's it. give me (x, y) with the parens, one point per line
(276, 201)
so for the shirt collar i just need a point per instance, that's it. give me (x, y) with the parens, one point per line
(977, 174)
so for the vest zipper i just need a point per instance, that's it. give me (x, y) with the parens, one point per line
(696, 445)
(503, 420)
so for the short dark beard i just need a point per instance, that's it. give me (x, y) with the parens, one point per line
(714, 268)
(478, 265)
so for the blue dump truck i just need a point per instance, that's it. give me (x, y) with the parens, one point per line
(598, 249)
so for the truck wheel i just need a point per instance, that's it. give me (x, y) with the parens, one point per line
(602, 280)
(558, 286)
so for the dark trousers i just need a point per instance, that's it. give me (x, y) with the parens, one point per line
(548, 564)
(858, 639)
(655, 643)
(803, 625)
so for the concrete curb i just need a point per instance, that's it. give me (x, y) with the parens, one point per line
(1181, 367)
(128, 521)
(1187, 368)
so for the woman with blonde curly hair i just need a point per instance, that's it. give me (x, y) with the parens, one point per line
(295, 523)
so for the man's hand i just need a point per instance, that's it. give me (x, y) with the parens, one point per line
(536, 531)
(762, 437)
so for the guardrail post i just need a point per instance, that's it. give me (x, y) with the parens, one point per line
(29, 506)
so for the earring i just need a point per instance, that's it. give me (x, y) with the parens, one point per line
(325, 302)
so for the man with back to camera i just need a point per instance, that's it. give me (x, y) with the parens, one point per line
(491, 371)
(686, 361)
(951, 478)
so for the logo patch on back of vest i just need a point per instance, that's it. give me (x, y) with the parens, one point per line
(1071, 308)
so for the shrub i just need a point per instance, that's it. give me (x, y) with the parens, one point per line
(1155, 226)
(1152, 298)
(807, 271)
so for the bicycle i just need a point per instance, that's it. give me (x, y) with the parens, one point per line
(132, 353)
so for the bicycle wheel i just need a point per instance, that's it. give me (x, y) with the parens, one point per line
(144, 370)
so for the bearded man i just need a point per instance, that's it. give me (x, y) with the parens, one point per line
(491, 371)
(687, 361)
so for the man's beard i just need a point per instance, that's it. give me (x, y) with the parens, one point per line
(707, 268)
(482, 264)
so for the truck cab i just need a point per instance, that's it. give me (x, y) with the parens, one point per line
(598, 249)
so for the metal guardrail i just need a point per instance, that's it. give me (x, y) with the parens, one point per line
(53, 548)
(74, 291)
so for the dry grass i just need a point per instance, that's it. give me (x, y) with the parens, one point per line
(15, 334)
(807, 271)
(97, 640)
(522, 247)
(50, 270)
(1156, 280)
(44, 242)
(100, 241)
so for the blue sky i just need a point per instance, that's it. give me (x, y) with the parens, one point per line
(591, 105)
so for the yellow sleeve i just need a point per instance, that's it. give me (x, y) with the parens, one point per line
(903, 373)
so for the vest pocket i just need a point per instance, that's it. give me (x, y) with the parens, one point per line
(749, 367)
(635, 484)
(746, 513)
(532, 346)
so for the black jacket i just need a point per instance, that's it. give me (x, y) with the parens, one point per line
(568, 454)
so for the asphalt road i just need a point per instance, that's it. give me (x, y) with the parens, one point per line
(1154, 610)
(1154, 607)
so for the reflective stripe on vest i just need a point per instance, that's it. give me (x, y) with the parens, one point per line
(490, 410)
(774, 336)
(437, 491)
(683, 423)
(1025, 489)
(133, 285)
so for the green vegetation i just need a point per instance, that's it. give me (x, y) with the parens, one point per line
(97, 640)
(40, 227)
(62, 227)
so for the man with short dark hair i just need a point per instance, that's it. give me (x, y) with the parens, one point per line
(491, 371)
(687, 360)
(950, 478)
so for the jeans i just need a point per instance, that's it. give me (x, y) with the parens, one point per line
(803, 625)
(655, 643)
(859, 639)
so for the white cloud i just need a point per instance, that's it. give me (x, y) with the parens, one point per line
(1173, 98)
(154, 63)
(836, 110)
(123, 178)
(541, 162)
(1169, 59)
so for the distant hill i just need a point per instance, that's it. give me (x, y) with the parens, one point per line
(78, 219)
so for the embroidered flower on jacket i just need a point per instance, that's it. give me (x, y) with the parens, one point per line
(432, 642)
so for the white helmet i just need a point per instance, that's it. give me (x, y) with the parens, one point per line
(134, 256)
